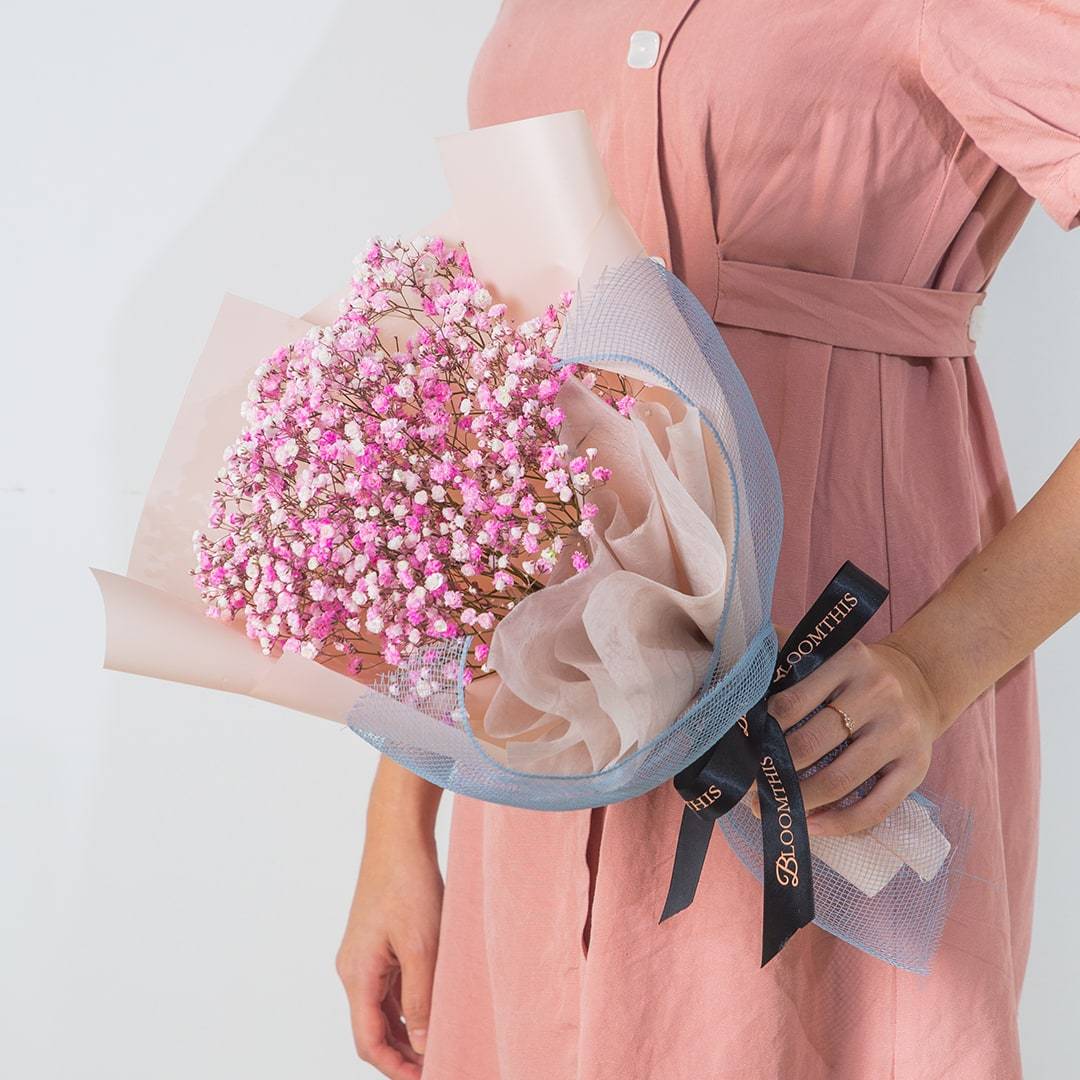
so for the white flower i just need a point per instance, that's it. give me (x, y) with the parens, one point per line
(285, 453)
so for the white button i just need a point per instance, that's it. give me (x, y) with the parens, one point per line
(659, 260)
(644, 49)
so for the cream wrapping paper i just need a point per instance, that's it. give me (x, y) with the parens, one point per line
(155, 624)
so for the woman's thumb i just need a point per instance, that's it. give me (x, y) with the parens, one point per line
(417, 976)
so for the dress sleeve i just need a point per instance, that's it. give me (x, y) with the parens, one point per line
(1009, 73)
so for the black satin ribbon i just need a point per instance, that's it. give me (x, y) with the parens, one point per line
(755, 750)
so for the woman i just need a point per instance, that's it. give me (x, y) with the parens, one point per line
(836, 183)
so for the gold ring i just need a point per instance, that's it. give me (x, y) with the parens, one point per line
(848, 722)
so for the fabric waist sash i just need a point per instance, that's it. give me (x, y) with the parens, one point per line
(852, 313)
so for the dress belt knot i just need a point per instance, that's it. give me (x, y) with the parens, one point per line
(873, 316)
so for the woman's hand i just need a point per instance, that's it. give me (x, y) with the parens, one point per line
(895, 720)
(905, 690)
(387, 956)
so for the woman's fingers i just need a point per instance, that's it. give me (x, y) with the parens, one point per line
(890, 790)
(861, 759)
(822, 733)
(367, 986)
(791, 705)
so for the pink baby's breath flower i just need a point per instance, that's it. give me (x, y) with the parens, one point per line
(384, 495)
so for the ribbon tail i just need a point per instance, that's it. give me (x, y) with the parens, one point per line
(695, 832)
(788, 896)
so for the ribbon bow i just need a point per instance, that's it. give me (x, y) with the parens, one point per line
(755, 748)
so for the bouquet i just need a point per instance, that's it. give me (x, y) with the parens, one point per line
(530, 559)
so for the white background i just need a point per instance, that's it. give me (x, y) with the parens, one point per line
(177, 865)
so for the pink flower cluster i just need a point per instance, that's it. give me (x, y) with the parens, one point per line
(399, 479)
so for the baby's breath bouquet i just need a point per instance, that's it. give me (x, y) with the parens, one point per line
(531, 560)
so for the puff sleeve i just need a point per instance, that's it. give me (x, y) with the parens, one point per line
(1009, 73)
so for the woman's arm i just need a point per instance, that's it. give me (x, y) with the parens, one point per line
(387, 956)
(1003, 602)
(904, 691)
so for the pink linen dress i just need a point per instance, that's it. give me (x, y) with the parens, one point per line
(836, 181)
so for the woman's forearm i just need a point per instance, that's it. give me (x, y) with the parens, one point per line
(1004, 601)
(402, 803)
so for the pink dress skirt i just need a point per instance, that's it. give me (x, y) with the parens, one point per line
(836, 182)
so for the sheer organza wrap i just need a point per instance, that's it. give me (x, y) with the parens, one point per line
(599, 663)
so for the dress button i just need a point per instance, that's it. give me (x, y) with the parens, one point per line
(659, 260)
(644, 49)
